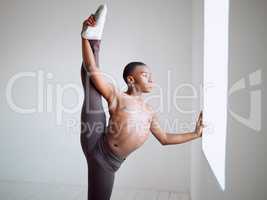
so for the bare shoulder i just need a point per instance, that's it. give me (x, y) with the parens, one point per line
(113, 103)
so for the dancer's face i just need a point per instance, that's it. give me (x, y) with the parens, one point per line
(142, 78)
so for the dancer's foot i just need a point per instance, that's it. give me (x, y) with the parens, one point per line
(95, 32)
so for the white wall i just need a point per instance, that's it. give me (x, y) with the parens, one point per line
(44, 35)
(246, 164)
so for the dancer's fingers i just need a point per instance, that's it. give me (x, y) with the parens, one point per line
(199, 120)
(91, 23)
(200, 117)
(92, 18)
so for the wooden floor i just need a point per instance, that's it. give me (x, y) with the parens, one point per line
(11, 190)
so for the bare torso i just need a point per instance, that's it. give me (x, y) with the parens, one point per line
(129, 124)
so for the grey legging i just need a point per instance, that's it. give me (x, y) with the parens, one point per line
(102, 163)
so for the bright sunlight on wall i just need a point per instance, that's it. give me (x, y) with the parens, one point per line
(216, 14)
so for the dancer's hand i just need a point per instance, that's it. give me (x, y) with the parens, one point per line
(199, 125)
(90, 21)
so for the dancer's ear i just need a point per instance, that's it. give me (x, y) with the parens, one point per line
(130, 80)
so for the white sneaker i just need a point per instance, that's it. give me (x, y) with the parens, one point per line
(95, 32)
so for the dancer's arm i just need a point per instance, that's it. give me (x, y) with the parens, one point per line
(106, 89)
(171, 138)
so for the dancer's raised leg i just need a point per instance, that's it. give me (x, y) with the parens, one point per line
(100, 180)
(93, 118)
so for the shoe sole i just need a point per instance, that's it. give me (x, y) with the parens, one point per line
(98, 12)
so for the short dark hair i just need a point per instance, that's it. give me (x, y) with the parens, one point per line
(129, 68)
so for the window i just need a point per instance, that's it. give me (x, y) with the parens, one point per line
(216, 14)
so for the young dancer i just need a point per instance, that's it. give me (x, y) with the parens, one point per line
(131, 119)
